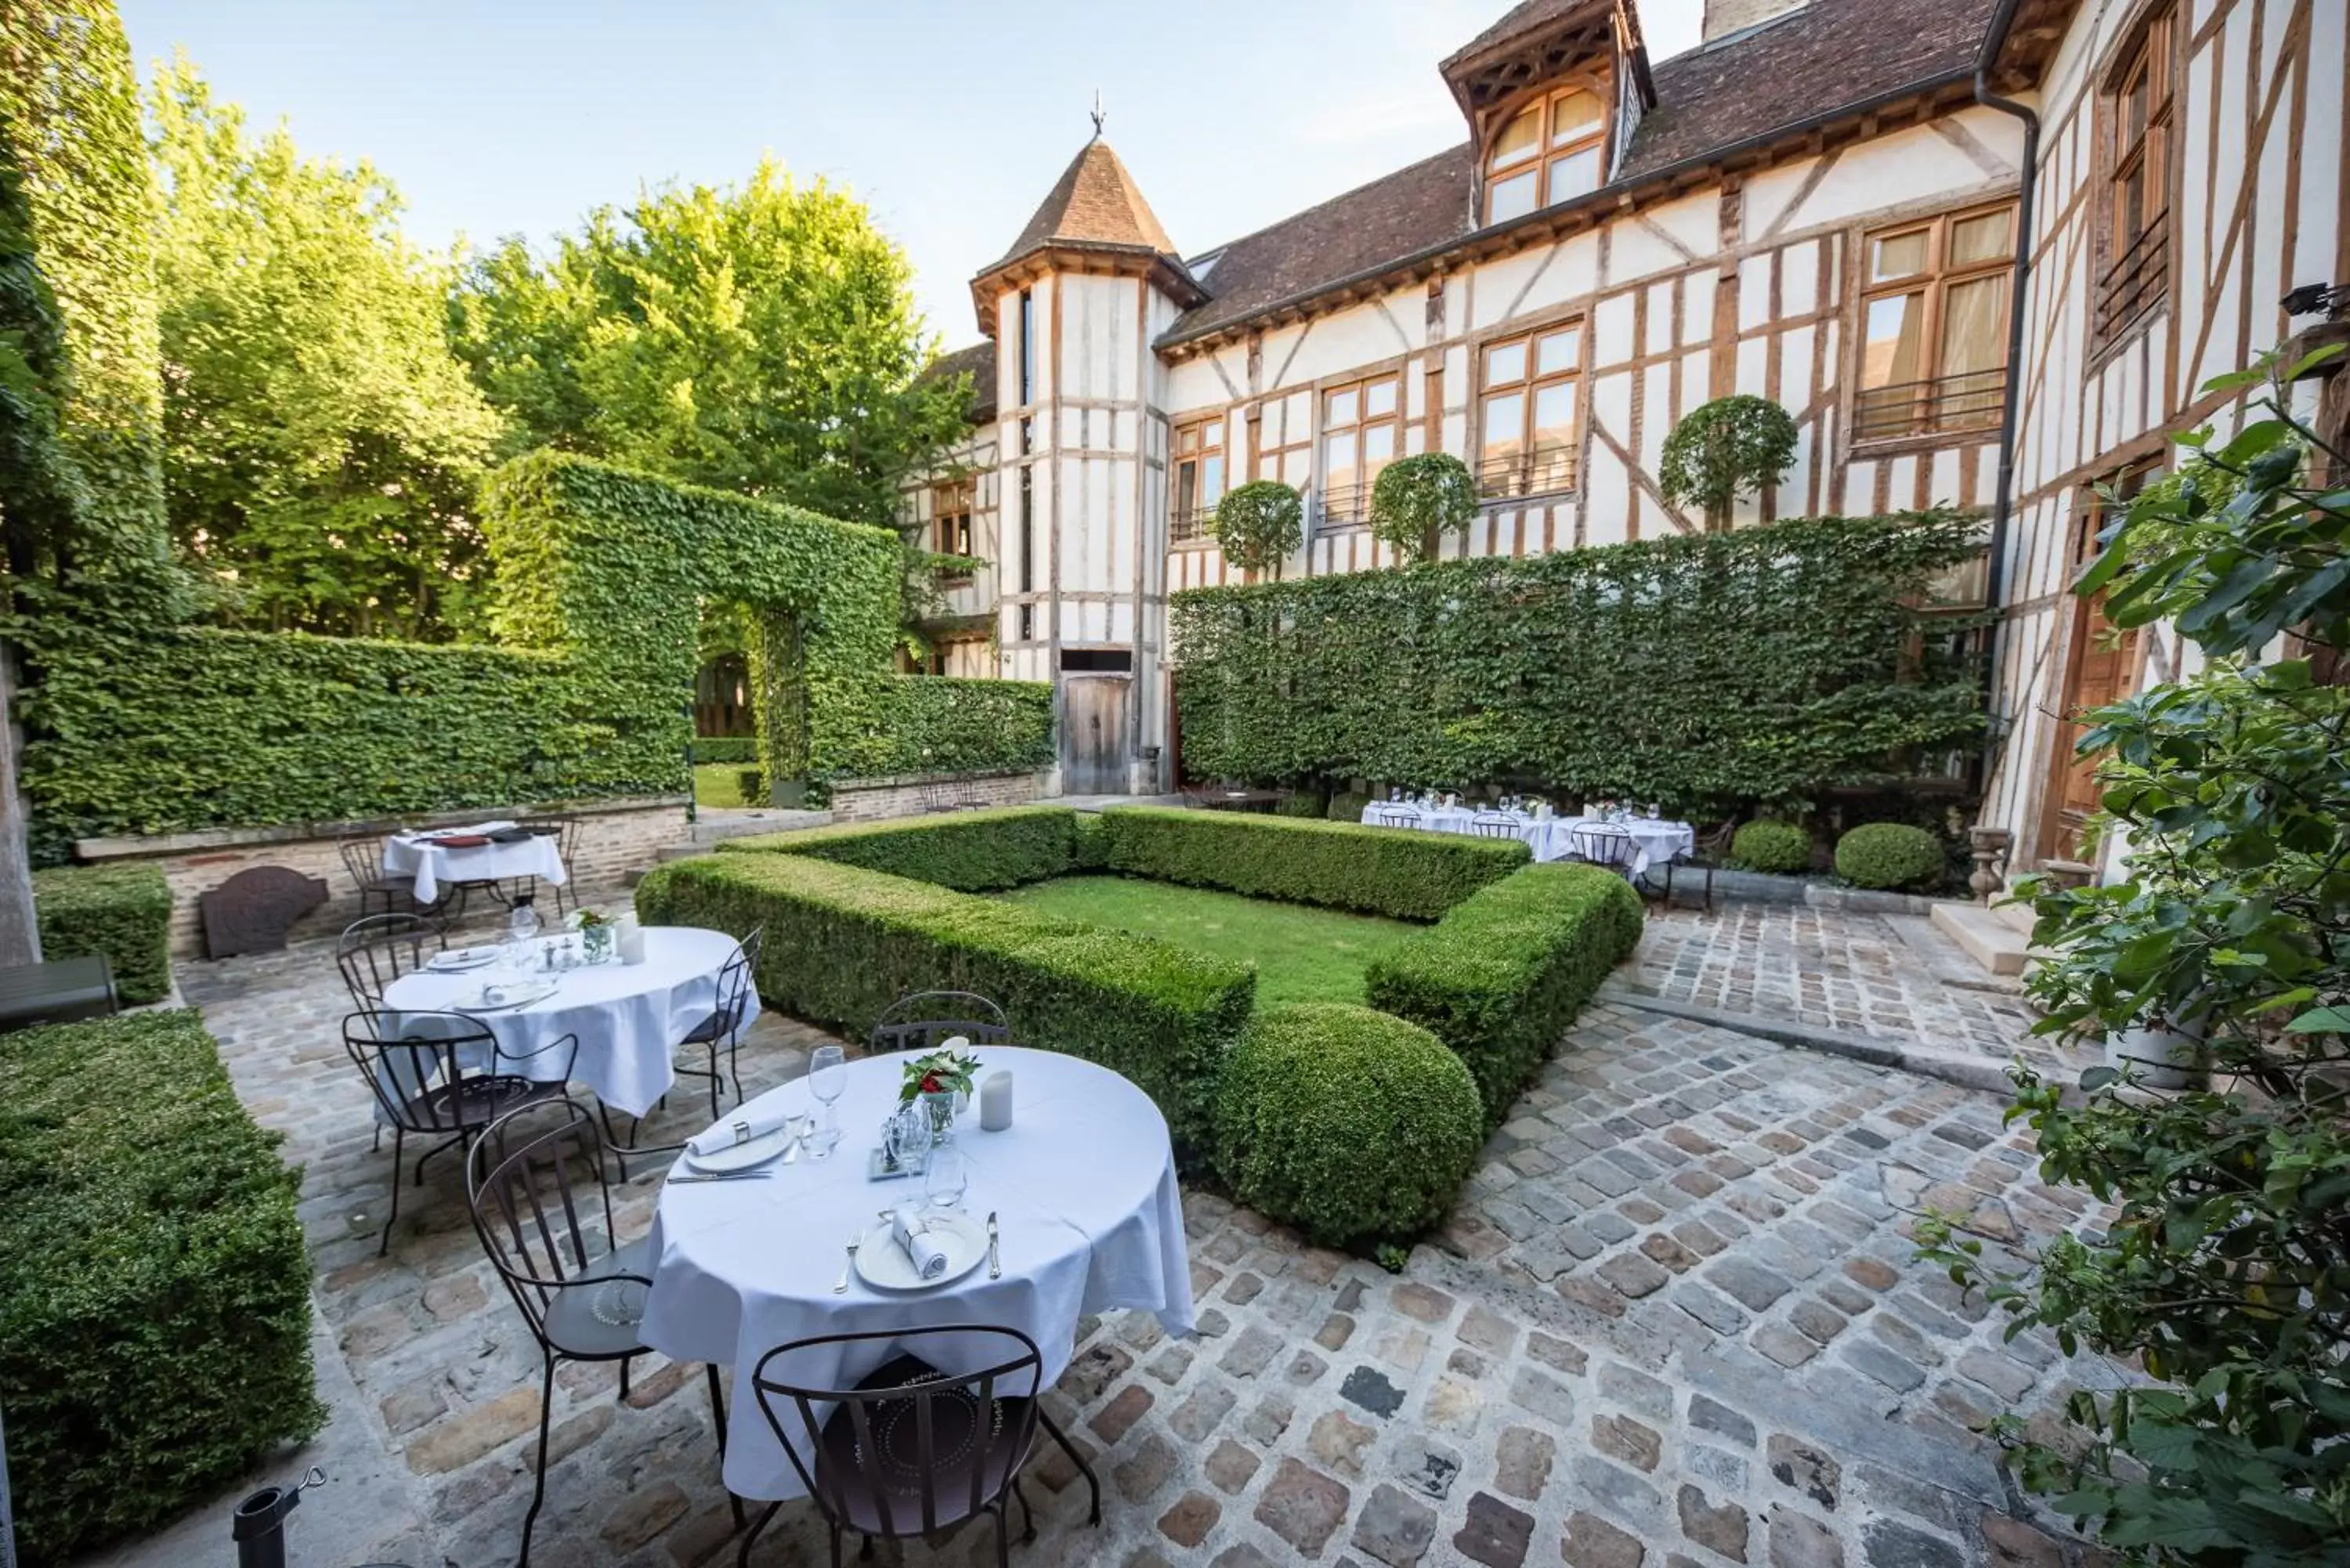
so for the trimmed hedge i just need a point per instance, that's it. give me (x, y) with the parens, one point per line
(122, 912)
(969, 851)
(1783, 848)
(154, 1287)
(1890, 854)
(1344, 866)
(844, 942)
(725, 749)
(946, 724)
(1351, 1125)
(1501, 975)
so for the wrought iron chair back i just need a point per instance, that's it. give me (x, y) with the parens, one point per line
(917, 1455)
(565, 834)
(542, 1205)
(723, 1030)
(1603, 844)
(374, 952)
(1394, 816)
(1493, 824)
(925, 1020)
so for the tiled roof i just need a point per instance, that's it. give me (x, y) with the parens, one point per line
(1094, 202)
(1830, 58)
(1844, 53)
(1519, 20)
(980, 361)
(1369, 227)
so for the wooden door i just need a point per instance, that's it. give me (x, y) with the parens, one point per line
(2100, 667)
(1093, 733)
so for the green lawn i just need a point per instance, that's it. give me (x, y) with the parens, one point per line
(1302, 954)
(714, 783)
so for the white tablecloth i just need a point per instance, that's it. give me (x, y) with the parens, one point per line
(1090, 1218)
(433, 864)
(628, 1016)
(1654, 840)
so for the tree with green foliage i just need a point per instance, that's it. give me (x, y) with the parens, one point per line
(1720, 450)
(1418, 500)
(2225, 1267)
(323, 444)
(760, 338)
(1259, 524)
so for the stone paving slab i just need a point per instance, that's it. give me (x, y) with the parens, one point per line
(1673, 1323)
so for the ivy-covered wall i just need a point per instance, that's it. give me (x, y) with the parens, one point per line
(1702, 672)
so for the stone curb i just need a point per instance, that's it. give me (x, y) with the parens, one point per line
(1969, 1072)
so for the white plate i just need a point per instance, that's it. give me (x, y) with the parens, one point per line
(747, 1154)
(883, 1264)
(461, 960)
(517, 996)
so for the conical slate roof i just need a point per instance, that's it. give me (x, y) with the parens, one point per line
(1096, 201)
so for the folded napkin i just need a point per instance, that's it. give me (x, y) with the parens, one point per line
(929, 1258)
(737, 1129)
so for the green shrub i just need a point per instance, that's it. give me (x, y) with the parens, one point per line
(1351, 1125)
(154, 1287)
(1418, 500)
(969, 851)
(1347, 806)
(1260, 524)
(1344, 866)
(726, 749)
(123, 911)
(1092, 843)
(1890, 855)
(1501, 976)
(1767, 845)
(844, 942)
(1302, 802)
(751, 785)
(944, 724)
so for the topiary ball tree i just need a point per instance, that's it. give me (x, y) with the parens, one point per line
(1418, 500)
(1354, 1126)
(1782, 848)
(1260, 524)
(1890, 854)
(1722, 450)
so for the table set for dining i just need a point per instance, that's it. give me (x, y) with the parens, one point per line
(1656, 841)
(491, 852)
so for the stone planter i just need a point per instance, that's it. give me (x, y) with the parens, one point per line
(2162, 1058)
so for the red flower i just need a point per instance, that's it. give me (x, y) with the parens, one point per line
(930, 1083)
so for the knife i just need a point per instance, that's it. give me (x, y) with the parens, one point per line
(995, 1259)
(722, 1175)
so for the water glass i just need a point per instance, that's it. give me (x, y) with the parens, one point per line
(827, 1076)
(948, 1175)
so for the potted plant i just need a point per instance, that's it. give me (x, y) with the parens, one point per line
(597, 934)
(2163, 1053)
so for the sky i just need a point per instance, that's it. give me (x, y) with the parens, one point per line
(950, 119)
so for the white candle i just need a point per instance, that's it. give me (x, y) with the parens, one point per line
(995, 1101)
(631, 941)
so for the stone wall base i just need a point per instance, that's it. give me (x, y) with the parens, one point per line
(876, 800)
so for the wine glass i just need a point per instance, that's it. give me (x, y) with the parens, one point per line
(827, 1076)
(948, 1174)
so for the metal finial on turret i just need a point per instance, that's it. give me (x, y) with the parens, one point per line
(1100, 114)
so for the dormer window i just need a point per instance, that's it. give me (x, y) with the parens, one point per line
(1549, 151)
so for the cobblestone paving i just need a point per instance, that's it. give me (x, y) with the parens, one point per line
(1886, 976)
(1673, 1325)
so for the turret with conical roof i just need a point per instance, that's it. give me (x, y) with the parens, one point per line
(1095, 210)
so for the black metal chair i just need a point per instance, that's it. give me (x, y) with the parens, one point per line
(564, 831)
(444, 1075)
(362, 856)
(925, 1019)
(1493, 824)
(1605, 845)
(910, 1450)
(1394, 816)
(581, 1289)
(723, 1030)
(377, 950)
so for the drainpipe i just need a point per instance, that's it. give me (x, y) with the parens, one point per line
(2003, 504)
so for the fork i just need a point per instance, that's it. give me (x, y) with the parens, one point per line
(840, 1285)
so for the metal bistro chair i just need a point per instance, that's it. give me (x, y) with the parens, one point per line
(549, 1234)
(1604, 843)
(564, 831)
(379, 949)
(442, 1075)
(723, 1030)
(1493, 824)
(362, 856)
(1394, 816)
(925, 1020)
(910, 1450)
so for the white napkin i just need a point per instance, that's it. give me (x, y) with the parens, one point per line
(734, 1130)
(930, 1258)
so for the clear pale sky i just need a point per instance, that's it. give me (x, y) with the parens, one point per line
(951, 119)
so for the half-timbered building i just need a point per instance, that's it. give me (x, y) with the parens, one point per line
(1823, 203)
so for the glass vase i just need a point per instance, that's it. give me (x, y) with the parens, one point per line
(938, 1108)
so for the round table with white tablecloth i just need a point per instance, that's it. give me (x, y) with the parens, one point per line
(431, 862)
(1654, 840)
(1083, 1184)
(628, 1017)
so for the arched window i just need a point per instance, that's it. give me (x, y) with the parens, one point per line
(1550, 150)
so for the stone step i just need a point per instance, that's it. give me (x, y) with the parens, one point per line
(1943, 959)
(1986, 938)
(2018, 914)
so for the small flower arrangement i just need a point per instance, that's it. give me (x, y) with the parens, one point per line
(946, 1071)
(585, 920)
